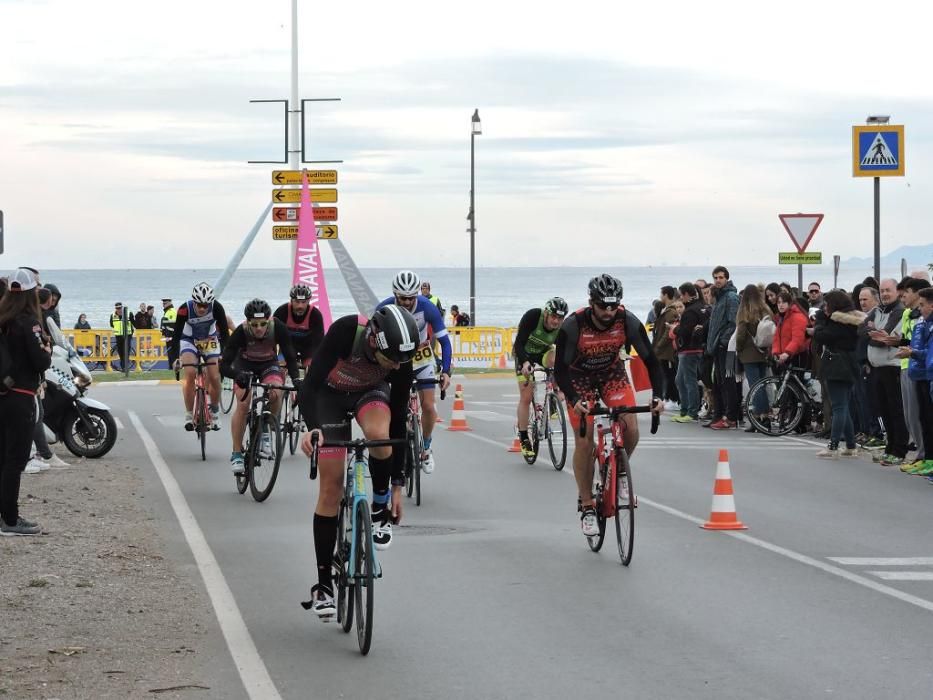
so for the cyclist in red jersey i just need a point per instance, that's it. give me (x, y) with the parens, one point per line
(304, 322)
(589, 366)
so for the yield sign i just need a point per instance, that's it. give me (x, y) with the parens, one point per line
(800, 228)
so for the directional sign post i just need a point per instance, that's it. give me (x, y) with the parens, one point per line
(293, 177)
(800, 228)
(878, 151)
(291, 214)
(290, 233)
(292, 196)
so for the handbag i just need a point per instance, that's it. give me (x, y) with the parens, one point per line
(764, 334)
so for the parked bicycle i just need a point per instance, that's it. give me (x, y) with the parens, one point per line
(781, 403)
(548, 419)
(414, 447)
(200, 414)
(355, 563)
(612, 478)
(263, 451)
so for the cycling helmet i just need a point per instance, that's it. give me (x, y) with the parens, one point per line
(257, 308)
(556, 306)
(300, 291)
(202, 293)
(406, 284)
(606, 289)
(396, 332)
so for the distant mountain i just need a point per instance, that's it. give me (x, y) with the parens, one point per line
(916, 256)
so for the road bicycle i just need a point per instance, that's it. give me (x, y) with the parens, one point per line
(200, 414)
(227, 394)
(414, 444)
(612, 478)
(548, 419)
(291, 421)
(792, 398)
(356, 567)
(261, 469)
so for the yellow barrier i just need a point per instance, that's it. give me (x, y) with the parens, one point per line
(473, 346)
(99, 347)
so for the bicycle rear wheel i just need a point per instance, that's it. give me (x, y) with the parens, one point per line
(342, 563)
(785, 411)
(418, 444)
(625, 508)
(295, 421)
(226, 394)
(555, 420)
(264, 470)
(599, 478)
(364, 568)
(410, 463)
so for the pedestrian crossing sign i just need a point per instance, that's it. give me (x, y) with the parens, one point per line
(877, 151)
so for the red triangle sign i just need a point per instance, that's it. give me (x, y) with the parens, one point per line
(800, 228)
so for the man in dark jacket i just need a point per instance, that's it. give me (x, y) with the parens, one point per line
(662, 345)
(721, 328)
(689, 334)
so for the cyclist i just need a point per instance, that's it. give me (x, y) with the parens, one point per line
(201, 330)
(430, 322)
(589, 366)
(362, 367)
(534, 345)
(253, 350)
(304, 322)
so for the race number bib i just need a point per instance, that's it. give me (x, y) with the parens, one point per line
(207, 345)
(423, 357)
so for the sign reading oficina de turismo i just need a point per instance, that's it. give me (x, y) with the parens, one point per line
(878, 150)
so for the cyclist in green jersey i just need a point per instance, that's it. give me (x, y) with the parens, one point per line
(534, 344)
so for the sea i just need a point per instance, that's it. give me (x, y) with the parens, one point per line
(502, 294)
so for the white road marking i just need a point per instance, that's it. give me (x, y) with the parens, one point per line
(489, 416)
(883, 561)
(903, 575)
(116, 419)
(252, 670)
(773, 548)
(171, 421)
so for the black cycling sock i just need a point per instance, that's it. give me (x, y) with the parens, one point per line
(380, 470)
(325, 539)
(523, 434)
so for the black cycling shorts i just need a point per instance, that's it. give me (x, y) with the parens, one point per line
(333, 408)
(263, 370)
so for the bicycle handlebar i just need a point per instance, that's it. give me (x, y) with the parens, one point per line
(359, 443)
(418, 383)
(618, 411)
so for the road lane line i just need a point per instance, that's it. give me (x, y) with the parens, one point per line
(883, 561)
(252, 670)
(903, 575)
(116, 419)
(775, 549)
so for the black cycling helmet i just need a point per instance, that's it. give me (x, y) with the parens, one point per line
(396, 333)
(300, 291)
(257, 308)
(556, 306)
(606, 289)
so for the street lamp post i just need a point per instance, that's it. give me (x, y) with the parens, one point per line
(476, 130)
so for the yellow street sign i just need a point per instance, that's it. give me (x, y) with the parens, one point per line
(290, 233)
(800, 258)
(293, 177)
(319, 195)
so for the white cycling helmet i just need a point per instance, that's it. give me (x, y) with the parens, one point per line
(202, 293)
(406, 284)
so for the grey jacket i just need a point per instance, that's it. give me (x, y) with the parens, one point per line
(887, 318)
(722, 321)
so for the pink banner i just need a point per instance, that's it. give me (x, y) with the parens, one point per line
(308, 267)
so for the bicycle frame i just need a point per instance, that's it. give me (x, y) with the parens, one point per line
(355, 492)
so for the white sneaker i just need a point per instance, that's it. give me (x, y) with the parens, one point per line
(322, 603)
(58, 462)
(265, 446)
(35, 465)
(588, 522)
(427, 462)
(215, 418)
(671, 406)
(50, 435)
(382, 530)
(189, 421)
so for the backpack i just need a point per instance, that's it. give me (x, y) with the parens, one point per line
(764, 334)
(6, 362)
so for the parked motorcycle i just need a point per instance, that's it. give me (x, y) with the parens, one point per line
(85, 425)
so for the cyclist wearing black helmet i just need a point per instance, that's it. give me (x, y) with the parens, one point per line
(589, 366)
(304, 322)
(362, 367)
(253, 350)
(534, 345)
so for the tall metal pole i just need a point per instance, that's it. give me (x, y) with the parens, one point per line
(800, 279)
(878, 229)
(294, 107)
(472, 235)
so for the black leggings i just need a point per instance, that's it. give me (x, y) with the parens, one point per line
(17, 422)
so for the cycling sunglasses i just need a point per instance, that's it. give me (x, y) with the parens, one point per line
(258, 324)
(612, 305)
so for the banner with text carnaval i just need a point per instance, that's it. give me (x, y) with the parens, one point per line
(308, 267)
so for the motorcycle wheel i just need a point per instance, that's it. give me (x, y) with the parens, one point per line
(80, 443)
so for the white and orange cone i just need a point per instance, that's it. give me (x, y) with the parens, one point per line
(458, 419)
(722, 514)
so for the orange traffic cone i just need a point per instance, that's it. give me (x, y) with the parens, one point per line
(458, 419)
(516, 445)
(722, 515)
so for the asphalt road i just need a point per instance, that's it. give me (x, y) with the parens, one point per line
(490, 590)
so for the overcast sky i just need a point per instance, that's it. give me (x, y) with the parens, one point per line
(648, 133)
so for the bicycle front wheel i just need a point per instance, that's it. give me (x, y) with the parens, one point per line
(417, 445)
(555, 420)
(295, 422)
(265, 467)
(364, 575)
(625, 508)
(534, 435)
(599, 478)
(785, 407)
(200, 420)
(342, 573)
(226, 394)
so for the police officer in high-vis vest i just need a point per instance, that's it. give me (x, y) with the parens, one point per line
(122, 324)
(167, 326)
